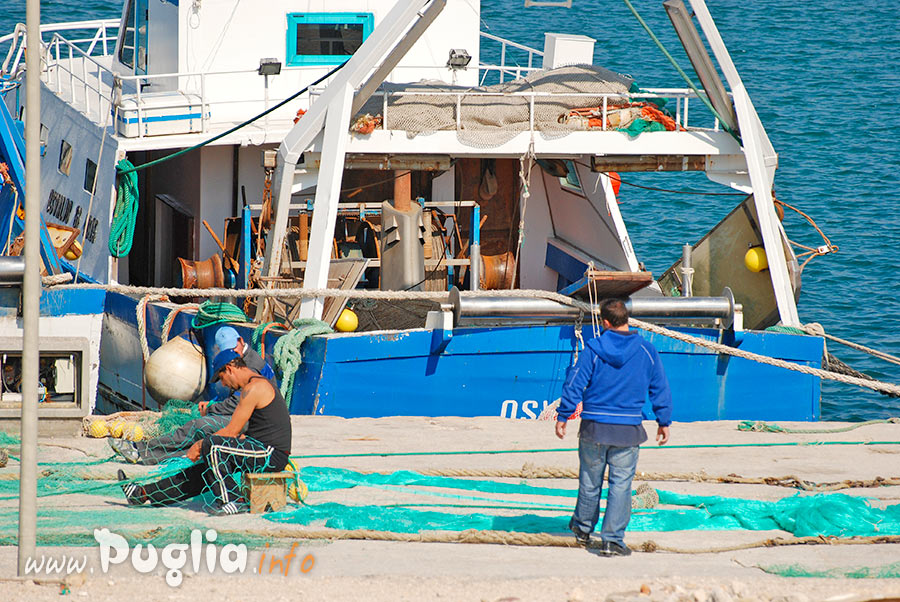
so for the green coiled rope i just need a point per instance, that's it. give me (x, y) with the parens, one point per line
(121, 230)
(210, 314)
(287, 351)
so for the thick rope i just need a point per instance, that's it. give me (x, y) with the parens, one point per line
(210, 314)
(170, 319)
(765, 427)
(536, 294)
(530, 471)
(141, 315)
(816, 329)
(512, 538)
(287, 351)
(56, 279)
(121, 230)
(726, 350)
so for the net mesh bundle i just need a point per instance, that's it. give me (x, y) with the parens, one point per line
(493, 115)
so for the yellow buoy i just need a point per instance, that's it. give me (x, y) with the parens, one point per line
(755, 259)
(117, 428)
(297, 489)
(98, 429)
(133, 433)
(347, 322)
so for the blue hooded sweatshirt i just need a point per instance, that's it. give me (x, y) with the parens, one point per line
(613, 377)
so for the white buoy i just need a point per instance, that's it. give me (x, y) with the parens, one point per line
(177, 370)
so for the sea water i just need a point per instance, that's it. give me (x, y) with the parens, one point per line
(824, 79)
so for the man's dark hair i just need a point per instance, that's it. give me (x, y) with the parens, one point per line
(237, 362)
(614, 311)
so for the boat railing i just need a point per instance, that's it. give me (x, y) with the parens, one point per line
(681, 96)
(97, 36)
(514, 70)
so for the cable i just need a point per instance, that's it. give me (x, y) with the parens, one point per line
(235, 128)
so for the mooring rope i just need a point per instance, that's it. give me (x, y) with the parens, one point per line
(529, 471)
(765, 427)
(513, 538)
(301, 293)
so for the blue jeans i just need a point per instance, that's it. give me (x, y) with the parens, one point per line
(593, 459)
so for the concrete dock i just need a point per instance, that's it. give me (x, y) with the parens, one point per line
(395, 570)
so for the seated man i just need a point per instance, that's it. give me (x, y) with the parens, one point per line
(266, 445)
(213, 416)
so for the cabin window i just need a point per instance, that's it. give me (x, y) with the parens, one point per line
(571, 181)
(325, 38)
(65, 157)
(90, 174)
(126, 37)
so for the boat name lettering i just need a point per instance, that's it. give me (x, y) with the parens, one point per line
(59, 206)
(529, 408)
(90, 230)
(76, 221)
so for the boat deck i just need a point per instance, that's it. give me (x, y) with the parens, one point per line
(417, 571)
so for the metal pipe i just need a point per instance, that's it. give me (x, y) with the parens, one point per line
(687, 271)
(680, 307)
(492, 308)
(12, 270)
(475, 250)
(487, 308)
(32, 291)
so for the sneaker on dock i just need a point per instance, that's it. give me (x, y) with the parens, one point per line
(231, 508)
(125, 449)
(134, 493)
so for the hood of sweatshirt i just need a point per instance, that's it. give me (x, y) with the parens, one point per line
(616, 348)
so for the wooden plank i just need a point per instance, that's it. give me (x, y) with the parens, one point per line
(614, 284)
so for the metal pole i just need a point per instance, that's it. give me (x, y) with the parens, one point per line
(475, 250)
(687, 271)
(31, 291)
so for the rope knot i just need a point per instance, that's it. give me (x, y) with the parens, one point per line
(649, 546)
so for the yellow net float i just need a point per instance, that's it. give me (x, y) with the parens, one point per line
(117, 428)
(133, 432)
(755, 259)
(98, 429)
(347, 321)
(297, 489)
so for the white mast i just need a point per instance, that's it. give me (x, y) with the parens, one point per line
(31, 290)
(761, 163)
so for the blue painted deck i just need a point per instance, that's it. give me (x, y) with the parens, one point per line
(512, 371)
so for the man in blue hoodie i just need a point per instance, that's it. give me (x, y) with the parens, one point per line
(612, 378)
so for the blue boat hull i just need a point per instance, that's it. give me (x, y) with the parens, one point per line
(510, 371)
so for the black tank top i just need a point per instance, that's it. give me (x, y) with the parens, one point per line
(271, 425)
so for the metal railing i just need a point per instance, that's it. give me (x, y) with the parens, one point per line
(74, 73)
(515, 70)
(99, 40)
(609, 102)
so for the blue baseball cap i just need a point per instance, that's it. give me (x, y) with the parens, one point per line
(226, 338)
(222, 359)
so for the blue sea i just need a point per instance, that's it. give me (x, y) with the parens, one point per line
(824, 79)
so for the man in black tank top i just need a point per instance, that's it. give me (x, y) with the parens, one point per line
(266, 446)
(213, 416)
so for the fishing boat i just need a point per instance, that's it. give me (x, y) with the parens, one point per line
(366, 163)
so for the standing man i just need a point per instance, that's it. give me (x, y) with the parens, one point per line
(213, 416)
(266, 444)
(612, 378)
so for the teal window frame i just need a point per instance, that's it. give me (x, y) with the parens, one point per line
(293, 19)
